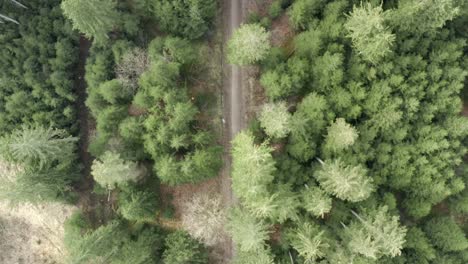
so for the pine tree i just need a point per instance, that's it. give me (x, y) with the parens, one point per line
(316, 201)
(247, 232)
(94, 18)
(249, 44)
(375, 235)
(39, 145)
(368, 32)
(181, 248)
(309, 241)
(344, 181)
(340, 135)
(110, 170)
(275, 119)
(445, 234)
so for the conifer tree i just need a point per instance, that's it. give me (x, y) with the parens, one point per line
(247, 232)
(344, 181)
(94, 18)
(309, 241)
(375, 235)
(340, 135)
(275, 119)
(367, 30)
(249, 44)
(316, 201)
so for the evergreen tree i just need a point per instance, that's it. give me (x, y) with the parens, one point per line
(110, 170)
(247, 232)
(275, 119)
(445, 234)
(375, 235)
(309, 242)
(180, 248)
(94, 18)
(368, 32)
(344, 181)
(316, 201)
(340, 135)
(138, 205)
(249, 44)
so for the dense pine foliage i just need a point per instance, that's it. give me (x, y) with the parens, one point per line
(374, 142)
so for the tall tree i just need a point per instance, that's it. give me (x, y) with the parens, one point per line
(445, 234)
(309, 241)
(316, 201)
(249, 44)
(340, 135)
(366, 27)
(181, 248)
(247, 232)
(110, 170)
(94, 18)
(375, 235)
(344, 181)
(275, 119)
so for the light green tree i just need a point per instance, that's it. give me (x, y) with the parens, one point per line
(309, 241)
(375, 235)
(344, 181)
(248, 44)
(261, 256)
(110, 170)
(39, 145)
(94, 18)
(316, 201)
(252, 167)
(366, 27)
(275, 119)
(247, 232)
(340, 135)
(181, 248)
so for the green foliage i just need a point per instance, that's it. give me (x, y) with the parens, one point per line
(182, 249)
(110, 171)
(368, 32)
(302, 12)
(418, 246)
(309, 241)
(316, 201)
(340, 135)
(375, 235)
(113, 243)
(445, 234)
(37, 63)
(419, 17)
(249, 44)
(275, 119)
(94, 18)
(39, 146)
(344, 181)
(190, 19)
(285, 79)
(275, 9)
(138, 205)
(248, 233)
(261, 256)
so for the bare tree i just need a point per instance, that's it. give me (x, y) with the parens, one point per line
(132, 65)
(205, 218)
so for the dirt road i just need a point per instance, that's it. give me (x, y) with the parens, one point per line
(233, 106)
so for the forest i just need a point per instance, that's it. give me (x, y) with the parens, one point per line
(354, 153)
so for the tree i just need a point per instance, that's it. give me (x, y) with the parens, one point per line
(9, 19)
(133, 64)
(344, 181)
(247, 232)
(340, 135)
(316, 201)
(138, 205)
(309, 241)
(252, 168)
(445, 234)
(423, 16)
(261, 256)
(182, 249)
(275, 119)
(39, 145)
(111, 171)
(375, 235)
(187, 18)
(94, 18)
(249, 44)
(419, 246)
(367, 30)
(204, 218)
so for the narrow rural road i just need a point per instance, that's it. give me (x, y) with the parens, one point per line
(233, 107)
